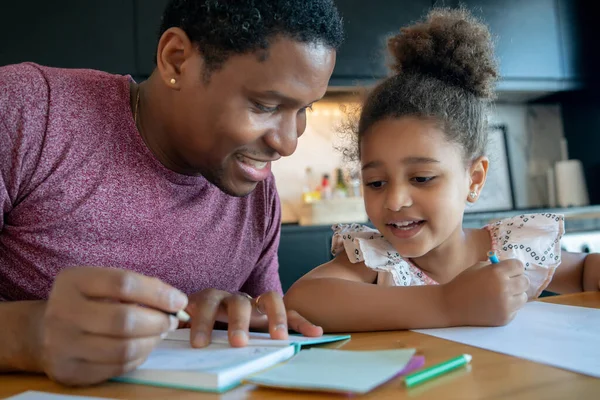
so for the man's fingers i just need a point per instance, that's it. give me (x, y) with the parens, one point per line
(107, 350)
(83, 373)
(119, 320)
(239, 310)
(125, 286)
(271, 304)
(205, 309)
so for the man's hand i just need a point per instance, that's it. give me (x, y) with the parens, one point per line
(241, 312)
(93, 327)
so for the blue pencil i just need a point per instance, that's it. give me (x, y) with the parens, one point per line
(493, 257)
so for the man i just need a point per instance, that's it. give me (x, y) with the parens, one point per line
(116, 195)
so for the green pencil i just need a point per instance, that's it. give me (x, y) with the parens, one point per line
(437, 370)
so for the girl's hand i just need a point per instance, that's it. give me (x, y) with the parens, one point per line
(487, 294)
(591, 273)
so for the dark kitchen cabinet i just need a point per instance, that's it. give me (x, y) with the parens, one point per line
(581, 123)
(572, 38)
(69, 33)
(148, 17)
(301, 249)
(536, 40)
(581, 109)
(528, 42)
(367, 26)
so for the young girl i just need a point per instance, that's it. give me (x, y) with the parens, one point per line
(420, 141)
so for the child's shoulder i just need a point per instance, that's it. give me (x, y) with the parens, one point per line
(361, 242)
(534, 239)
(528, 222)
(535, 236)
(353, 238)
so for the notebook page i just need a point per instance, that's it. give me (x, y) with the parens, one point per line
(179, 356)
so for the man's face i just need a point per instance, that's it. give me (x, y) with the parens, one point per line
(249, 113)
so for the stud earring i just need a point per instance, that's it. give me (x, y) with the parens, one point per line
(173, 81)
(473, 194)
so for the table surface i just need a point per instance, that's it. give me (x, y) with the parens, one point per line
(490, 376)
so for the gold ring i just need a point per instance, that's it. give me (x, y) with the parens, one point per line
(257, 306)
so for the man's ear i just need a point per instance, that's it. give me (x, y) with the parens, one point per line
(175, 49)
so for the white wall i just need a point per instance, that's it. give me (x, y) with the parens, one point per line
(534, 133)
(315, 150)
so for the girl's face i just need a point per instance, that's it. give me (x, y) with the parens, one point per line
(416, 183)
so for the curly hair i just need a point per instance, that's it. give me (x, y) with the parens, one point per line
(444, 71)
(222, 28)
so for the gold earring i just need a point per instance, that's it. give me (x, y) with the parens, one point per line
(173, 81)
(473, 194)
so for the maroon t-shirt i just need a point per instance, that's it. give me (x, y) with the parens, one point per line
(78, 186)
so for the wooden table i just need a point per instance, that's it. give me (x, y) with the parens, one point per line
(490, 376)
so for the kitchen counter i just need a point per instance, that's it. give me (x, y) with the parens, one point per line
(577, 219)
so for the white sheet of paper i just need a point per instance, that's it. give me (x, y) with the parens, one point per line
(336, 370)
(561, 336)
(33, 395)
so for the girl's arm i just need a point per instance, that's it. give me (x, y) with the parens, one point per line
(341, 297)
(577, 272)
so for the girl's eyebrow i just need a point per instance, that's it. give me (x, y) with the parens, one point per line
(406, 161)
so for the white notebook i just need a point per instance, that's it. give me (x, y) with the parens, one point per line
(218, 367)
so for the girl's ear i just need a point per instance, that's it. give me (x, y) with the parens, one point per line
(477, 174)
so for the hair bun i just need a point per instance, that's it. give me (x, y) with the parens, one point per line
(450, 45)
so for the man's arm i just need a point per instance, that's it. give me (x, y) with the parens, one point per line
(265, 275)
(23, 106)
(19, 334)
